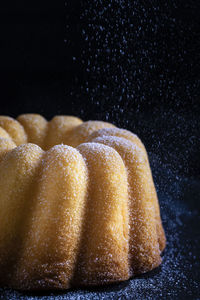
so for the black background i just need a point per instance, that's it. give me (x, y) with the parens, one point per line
(135, 64)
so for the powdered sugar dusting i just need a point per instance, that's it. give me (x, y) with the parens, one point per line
(80, 133)
(112, 132)
(144, 247)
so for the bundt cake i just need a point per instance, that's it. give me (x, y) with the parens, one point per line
(78, 204)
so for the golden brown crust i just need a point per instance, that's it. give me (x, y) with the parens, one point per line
(35, 126)
(125, 134)
(50, 247)
(5, 146)
(103, 255)
(14, 129)
(59, 128)
(144, 253)
(81, 133)
(71, 217)
(18, 171)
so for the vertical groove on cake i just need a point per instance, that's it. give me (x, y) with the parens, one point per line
(159, 228)
(103, 256)
(4, 134)
(35, 127)
(80, 133)
(143, 244)
(52, 242)
(136, 141)
(20, 165)
(14, 129)
(5, 146)
(58, 130)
